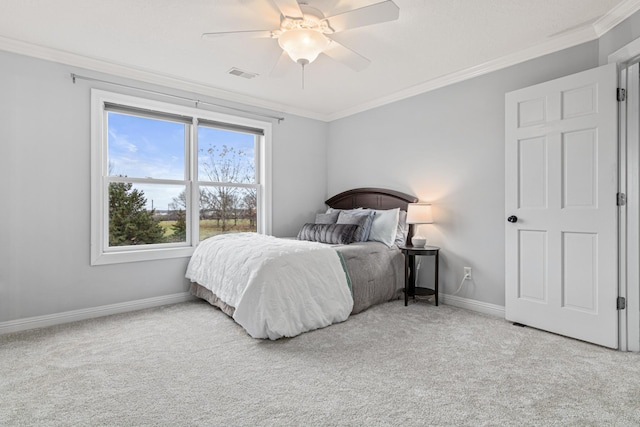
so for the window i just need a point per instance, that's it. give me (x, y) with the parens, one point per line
(165, 177)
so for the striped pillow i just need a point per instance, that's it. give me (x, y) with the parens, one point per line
(336, 234)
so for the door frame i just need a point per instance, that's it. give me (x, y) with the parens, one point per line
(629, 184)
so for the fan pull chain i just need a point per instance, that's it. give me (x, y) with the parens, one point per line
(303, 62)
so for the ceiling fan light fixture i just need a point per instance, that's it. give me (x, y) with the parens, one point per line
(303, 45)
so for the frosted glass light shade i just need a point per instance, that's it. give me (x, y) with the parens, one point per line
(419, 213)
(303, 45)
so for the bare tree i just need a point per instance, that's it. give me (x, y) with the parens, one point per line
(180, 202)
(250, 204)
(224, 165)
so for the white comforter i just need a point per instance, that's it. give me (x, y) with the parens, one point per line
(279, 287)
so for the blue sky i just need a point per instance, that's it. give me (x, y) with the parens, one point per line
(149, 148)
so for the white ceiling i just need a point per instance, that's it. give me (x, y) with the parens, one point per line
(434, 42)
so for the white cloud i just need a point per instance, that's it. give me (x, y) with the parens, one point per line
(121, 142)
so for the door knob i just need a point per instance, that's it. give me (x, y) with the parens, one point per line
(512, 218)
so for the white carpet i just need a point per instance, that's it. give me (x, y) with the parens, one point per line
(188, 365)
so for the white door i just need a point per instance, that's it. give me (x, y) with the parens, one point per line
(561, 187)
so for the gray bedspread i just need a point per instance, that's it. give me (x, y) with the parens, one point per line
(376, 272)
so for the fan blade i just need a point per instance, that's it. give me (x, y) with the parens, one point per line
(250, 34)
(347, 56)
(367, 15)
(289, 8)
(282, 67)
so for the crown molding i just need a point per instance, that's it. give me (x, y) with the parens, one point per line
(562, 41)
(147, 76)
(615, 16)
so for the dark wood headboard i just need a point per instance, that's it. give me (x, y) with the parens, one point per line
(372, 198)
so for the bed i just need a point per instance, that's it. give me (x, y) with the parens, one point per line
(282, 287)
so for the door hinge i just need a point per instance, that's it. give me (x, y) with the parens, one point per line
(621, 199)
(621, 94)
(621, 303)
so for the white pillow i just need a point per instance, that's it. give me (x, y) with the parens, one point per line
(403, 229)
(384, 226)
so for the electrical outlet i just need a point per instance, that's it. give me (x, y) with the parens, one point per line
(467, 273)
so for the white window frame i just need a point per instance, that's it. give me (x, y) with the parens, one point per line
(101, 253)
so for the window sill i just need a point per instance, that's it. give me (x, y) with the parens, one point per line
(120, 257)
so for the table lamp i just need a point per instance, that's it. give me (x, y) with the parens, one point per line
(418, 213)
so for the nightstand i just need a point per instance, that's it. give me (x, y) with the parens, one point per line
(410, 288)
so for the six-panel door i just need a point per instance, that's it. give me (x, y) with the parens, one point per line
(561, 184)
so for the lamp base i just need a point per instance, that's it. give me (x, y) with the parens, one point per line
(418, 241)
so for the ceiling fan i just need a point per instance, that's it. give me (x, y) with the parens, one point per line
(305, 32)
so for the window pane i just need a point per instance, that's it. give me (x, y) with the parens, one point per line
(143, 214)
(227, 209)
(142, 147)
(226, 156)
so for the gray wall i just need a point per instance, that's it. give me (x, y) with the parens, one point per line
(622, 34)
(44, 195)
(447, 147)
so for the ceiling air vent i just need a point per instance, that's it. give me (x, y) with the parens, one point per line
(237, 72)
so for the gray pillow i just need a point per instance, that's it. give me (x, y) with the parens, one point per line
(328, 218)
(336, 234)
(359, 220)
(369, 213)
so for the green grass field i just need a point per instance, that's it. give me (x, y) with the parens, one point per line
(209, 227)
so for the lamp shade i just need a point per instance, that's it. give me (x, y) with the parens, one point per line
(419, 213)
(303, 45)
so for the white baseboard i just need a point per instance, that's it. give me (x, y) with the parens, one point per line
(106, 310)
(90, 313)
(473, 305)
